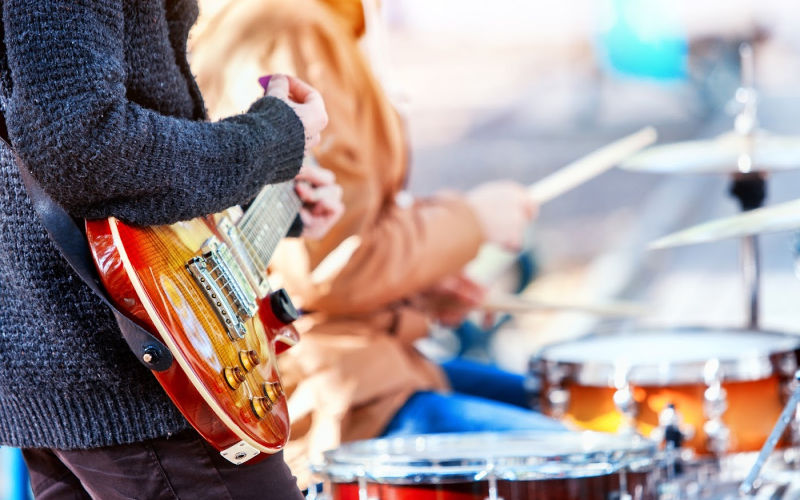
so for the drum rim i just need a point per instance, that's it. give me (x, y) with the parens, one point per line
(383, 469)
(607, 374)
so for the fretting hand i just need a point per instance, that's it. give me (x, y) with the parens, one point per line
(322, 200)
(306, 102)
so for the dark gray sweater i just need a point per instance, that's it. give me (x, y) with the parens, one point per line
(101, 104)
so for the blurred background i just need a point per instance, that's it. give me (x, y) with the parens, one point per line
(519, 89)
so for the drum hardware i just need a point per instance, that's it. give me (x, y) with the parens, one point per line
(672, 432)
(363, 493)
(557, 395)
(715, 404)
(789, 411)
(750, 189)
(624, 401)
(491, 478)
(493, 466)
(746, 154)
(727, 388)
(533, 383)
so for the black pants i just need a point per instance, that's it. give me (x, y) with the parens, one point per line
(181, 467)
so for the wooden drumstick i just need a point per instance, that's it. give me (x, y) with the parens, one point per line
(591, 165)
(514, 304)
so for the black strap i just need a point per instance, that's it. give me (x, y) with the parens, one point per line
(71, 241)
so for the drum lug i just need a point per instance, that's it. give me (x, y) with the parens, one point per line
(787, 388)
(491, 478)
(715, 404)
(672, 432)
(558, 400)
(557, 395)
(534, 382)
(622, 493)
(363, 492)
(625, 402)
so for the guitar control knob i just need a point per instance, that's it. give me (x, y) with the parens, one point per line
(272, 390)
(234, 376)
(249, 360)
(261, 406)
(282, 306)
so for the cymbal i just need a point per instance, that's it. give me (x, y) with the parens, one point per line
(780, 217)
(722, 155)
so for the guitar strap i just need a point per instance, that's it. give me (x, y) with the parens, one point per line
(71, 241)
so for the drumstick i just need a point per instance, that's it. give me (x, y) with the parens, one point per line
(514, 304)
(591, 165)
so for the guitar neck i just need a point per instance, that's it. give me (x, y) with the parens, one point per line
(268, 219)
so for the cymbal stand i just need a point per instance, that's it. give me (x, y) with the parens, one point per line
(747, 186)
(750, 189)
(749, 483)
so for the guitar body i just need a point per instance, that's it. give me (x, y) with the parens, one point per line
(170, 280)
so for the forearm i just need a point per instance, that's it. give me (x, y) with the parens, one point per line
(405, 252)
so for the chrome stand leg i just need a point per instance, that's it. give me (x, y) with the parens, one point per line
(751, 481)
(751, 265)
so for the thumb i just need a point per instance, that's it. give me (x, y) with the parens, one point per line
(278, 86)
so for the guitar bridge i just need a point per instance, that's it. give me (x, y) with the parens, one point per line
(217, 273)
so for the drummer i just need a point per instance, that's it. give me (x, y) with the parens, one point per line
(374, 284)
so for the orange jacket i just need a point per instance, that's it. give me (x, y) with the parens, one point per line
(356, 364)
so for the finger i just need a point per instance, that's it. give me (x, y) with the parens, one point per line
(316, 175)
(530, 207)
(278, 87)
(329, 200)
(300, 90)
(306, 192)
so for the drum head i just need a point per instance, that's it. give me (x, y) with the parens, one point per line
(673, 356)
(439, 458)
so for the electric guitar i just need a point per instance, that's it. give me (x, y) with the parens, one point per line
(200, 286)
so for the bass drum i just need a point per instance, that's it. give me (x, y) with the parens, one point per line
(493, 466)
(724, 389)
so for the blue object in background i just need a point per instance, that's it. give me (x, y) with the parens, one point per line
(643, 38)
(484, 398)
(14, 481)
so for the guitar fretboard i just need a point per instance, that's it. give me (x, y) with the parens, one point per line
(268, 219)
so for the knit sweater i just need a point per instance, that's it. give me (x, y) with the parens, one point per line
(101, 105)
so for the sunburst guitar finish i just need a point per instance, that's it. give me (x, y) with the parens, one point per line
(200, 287)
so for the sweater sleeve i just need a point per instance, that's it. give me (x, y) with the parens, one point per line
(98, 153)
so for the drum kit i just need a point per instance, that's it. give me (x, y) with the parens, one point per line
(661, 414)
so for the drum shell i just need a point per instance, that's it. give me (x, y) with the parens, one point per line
(753, 408)
(640, 485)
(755, 389)
(521, 465)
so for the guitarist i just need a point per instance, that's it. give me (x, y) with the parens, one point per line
(100, 104)
(388, 268)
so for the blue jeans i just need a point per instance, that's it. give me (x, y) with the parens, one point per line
(484, 398)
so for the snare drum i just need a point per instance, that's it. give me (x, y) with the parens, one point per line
(728, 387)
(480, 466)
